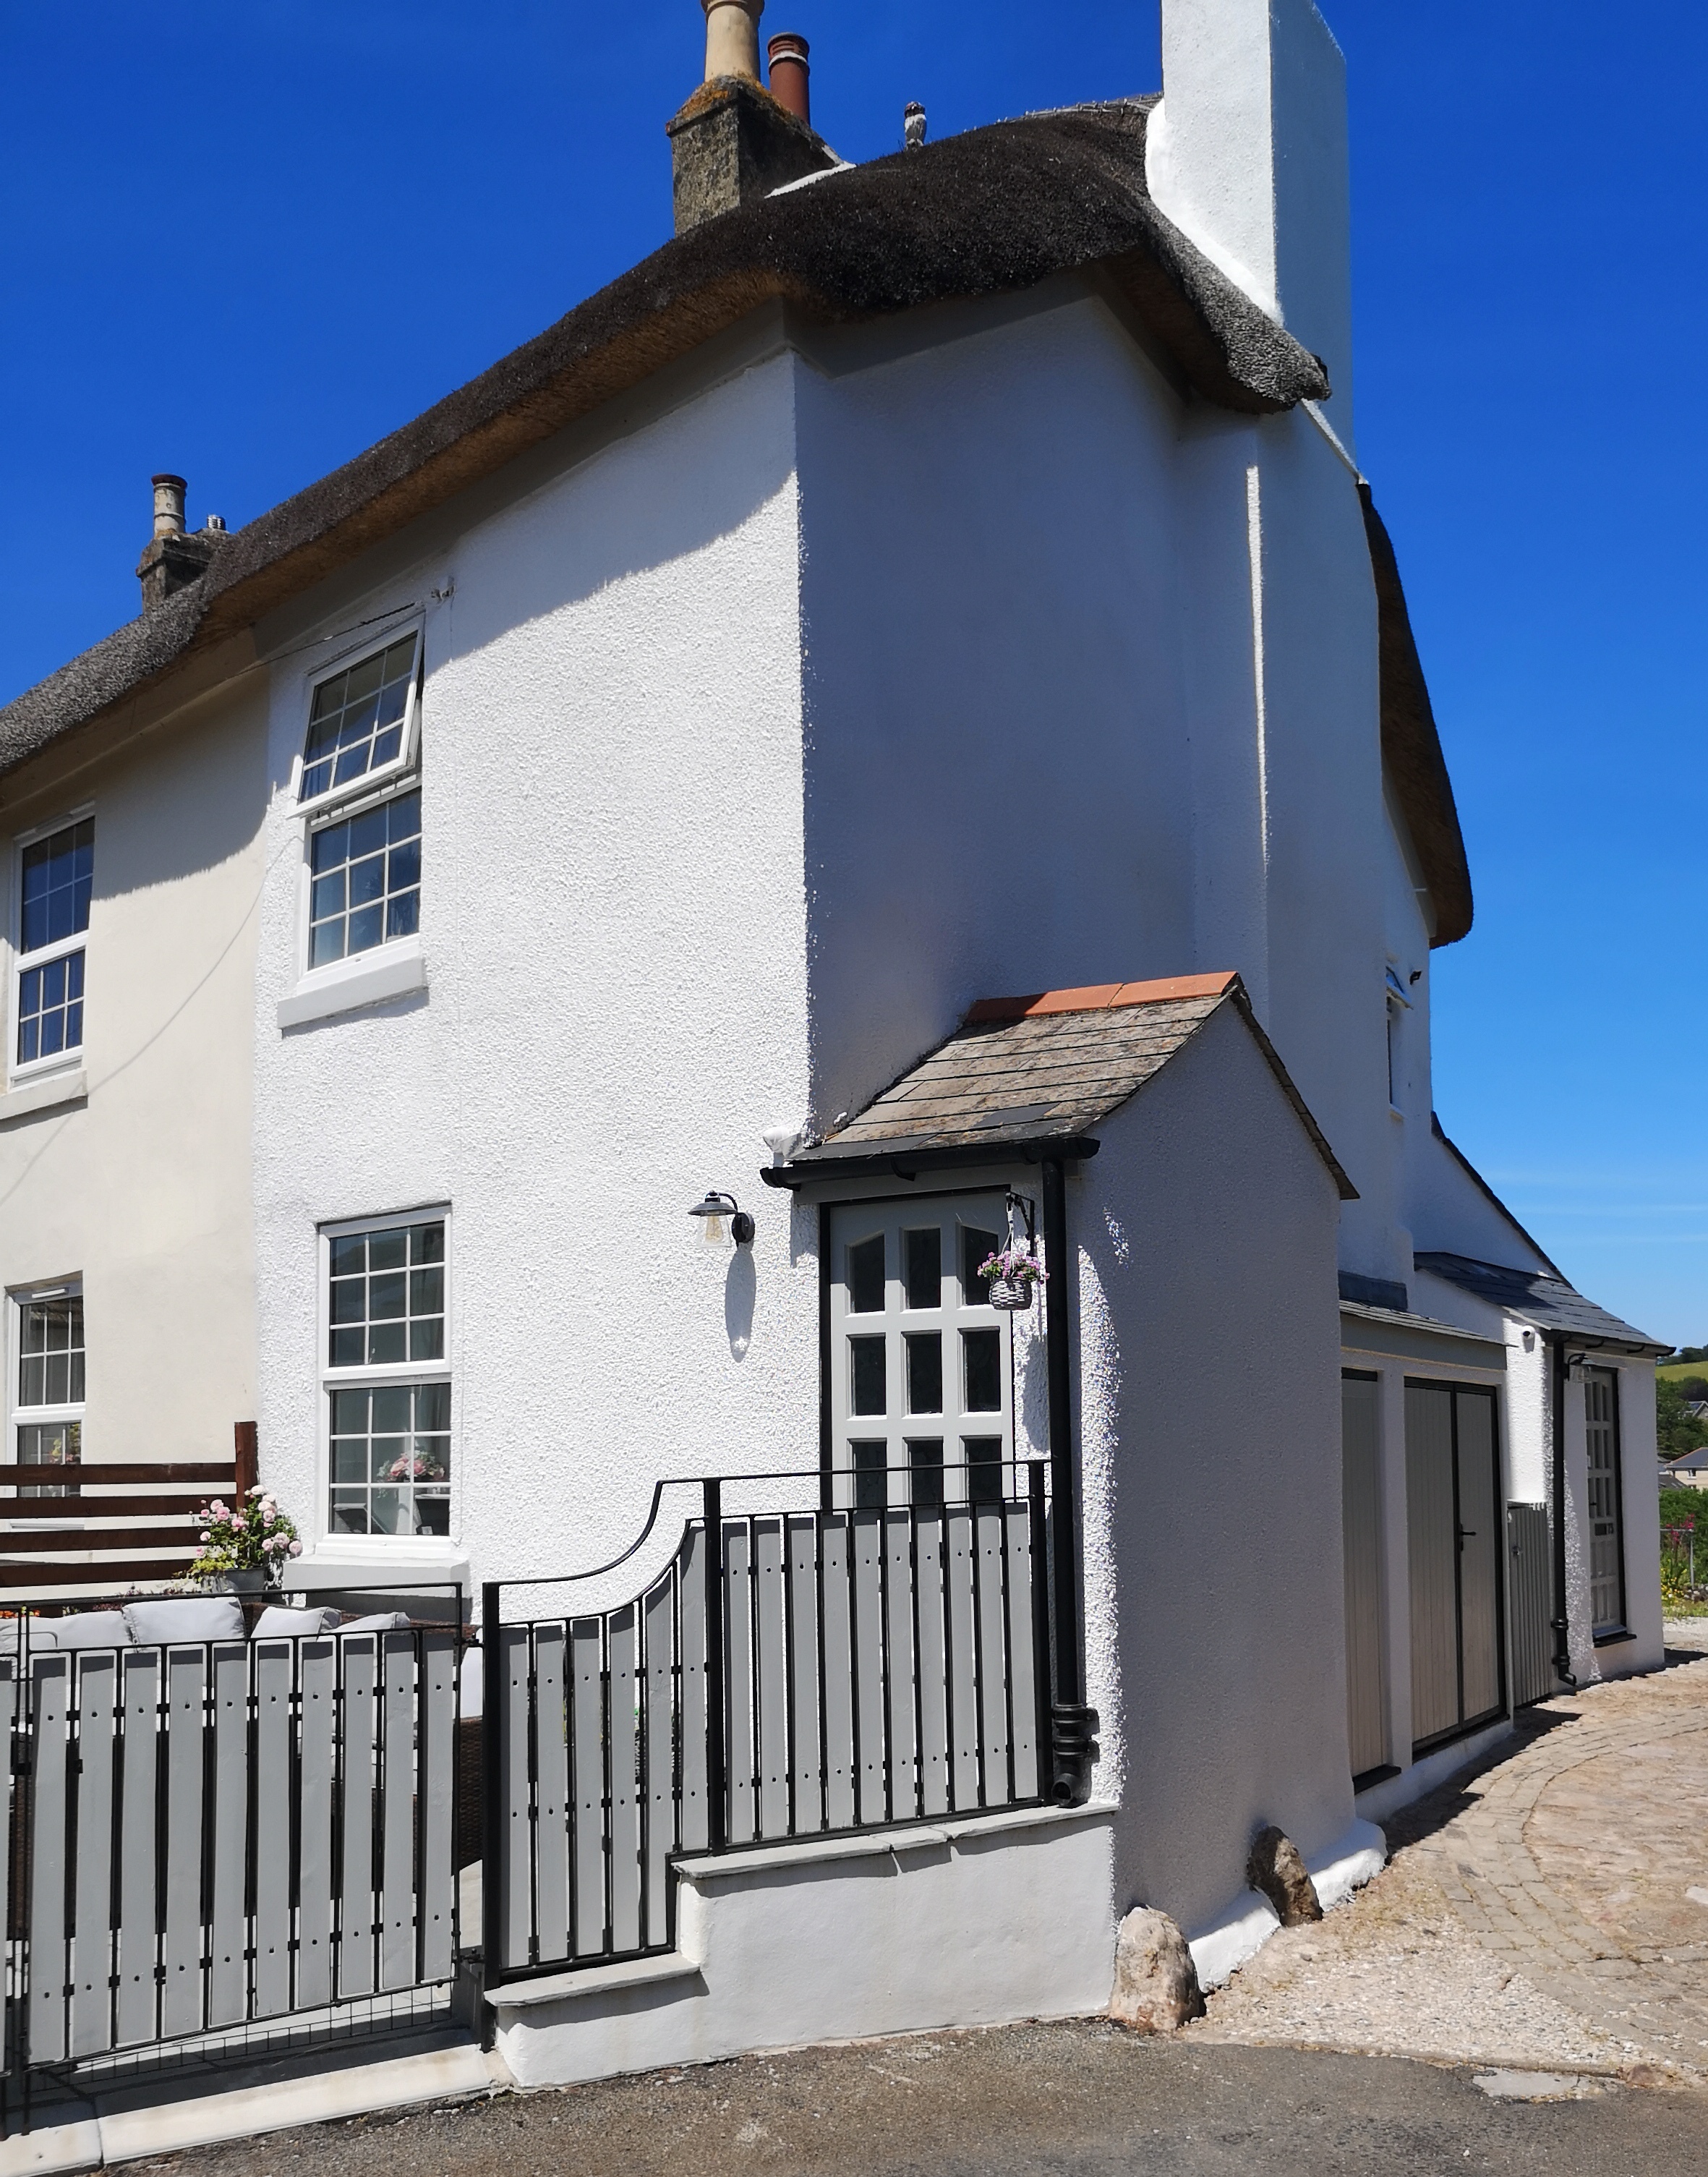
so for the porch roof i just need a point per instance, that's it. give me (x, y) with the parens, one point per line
(1549, 1302)
(1031, 1075)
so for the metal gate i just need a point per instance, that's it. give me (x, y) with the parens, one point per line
(206, 1835)
(788, 1674)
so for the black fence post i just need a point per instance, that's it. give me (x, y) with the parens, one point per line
(717, 1813)
(492, 1826)
(1037, 1529)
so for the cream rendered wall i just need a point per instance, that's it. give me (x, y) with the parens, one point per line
(142, 1190)
(612, 925)
(1209, 1365)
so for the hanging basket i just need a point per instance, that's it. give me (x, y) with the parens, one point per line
(1012, 1294)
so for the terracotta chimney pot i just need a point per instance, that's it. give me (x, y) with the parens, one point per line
(790, 85)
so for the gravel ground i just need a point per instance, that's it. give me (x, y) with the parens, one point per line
(1398, 1971)
(1394, 1972)
(1082, 2099)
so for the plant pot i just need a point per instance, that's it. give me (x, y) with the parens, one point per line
(251, 1580)
(1012, 1294)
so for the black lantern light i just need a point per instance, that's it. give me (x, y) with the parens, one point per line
(714, 1209)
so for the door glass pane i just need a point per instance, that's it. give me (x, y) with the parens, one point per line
(925, 1468)
(926, 1373)
(981, 1361)
(925, 1268)
(983, 1457)
(870, 1460)
(976, 1246)
(866, 1375)
(865, 1277)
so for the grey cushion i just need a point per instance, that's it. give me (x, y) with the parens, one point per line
(88, 1628)
(186, 1617)
(276, 1623)
(379, 1621)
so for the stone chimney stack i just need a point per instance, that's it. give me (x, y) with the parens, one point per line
(734, 141)
(172, 557)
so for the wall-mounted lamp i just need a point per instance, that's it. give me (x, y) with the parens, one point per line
(713, 1210)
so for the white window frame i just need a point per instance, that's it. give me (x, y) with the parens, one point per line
(344, 798)
(18, 1298)
(353, 964)
(328, 1379)
(19, 1071)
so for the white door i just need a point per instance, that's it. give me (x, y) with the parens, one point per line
(921, 1373)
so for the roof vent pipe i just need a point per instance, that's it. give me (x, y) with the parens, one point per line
(732, 38)
(790, 85)
(169, 505)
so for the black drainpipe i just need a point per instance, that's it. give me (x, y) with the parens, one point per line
(1562, 1621)
(1074, 1727)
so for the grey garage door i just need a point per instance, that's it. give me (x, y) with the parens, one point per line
(1366, 1728)
(1455, 1529)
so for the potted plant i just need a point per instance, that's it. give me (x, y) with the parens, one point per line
(245, 1546)
(1013, 1274)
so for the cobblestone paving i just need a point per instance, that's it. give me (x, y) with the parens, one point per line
(1538, 1913)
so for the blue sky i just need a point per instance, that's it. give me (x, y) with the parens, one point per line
(242, 242)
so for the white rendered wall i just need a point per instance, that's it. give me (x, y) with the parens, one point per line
(1091, 695)
(143, 1190)
(1247, 156)
(612, 924)
(1209, 1380)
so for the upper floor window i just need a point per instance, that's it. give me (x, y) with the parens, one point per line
(362, 723)
(57, 877)
(364, 878)
(1398, 1005)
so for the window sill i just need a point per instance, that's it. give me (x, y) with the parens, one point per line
(1614, 1637)
(368, 980)
(47, 1094)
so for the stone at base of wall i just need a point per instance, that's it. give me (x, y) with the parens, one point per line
(1233, 1936)
(960, 1923)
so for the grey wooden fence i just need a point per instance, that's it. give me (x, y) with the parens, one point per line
(813, 1672)
(212, 1834)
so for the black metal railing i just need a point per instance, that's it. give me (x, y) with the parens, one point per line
(790, 1673)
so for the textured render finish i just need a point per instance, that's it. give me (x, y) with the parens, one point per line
(1209, 1363)
(142, 1188)
(975, 1928)
(612, 924)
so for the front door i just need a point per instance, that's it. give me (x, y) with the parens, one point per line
(1452, 1514)
(921, 1399)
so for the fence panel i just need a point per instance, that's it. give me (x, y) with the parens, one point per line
(878, 1666)
(219, 1834)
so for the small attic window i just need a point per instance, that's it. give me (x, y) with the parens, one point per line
(362, 723)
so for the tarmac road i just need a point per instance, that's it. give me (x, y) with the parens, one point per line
(1078, 2099)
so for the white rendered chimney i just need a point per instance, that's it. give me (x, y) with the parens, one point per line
(1246, 154)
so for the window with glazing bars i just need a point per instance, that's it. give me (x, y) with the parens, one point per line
(56, 878)
(387, 1380)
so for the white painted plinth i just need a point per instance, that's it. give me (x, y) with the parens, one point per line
(1235, 1935)
(967, 1923)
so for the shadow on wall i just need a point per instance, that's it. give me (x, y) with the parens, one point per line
(667, 492)
(740, 1287)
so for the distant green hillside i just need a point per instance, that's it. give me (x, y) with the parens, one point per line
(1675, 1372)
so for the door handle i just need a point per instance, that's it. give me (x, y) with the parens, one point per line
(1465, 1534)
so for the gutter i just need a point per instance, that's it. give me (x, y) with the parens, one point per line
(901, 1162)
(1562, 1619)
